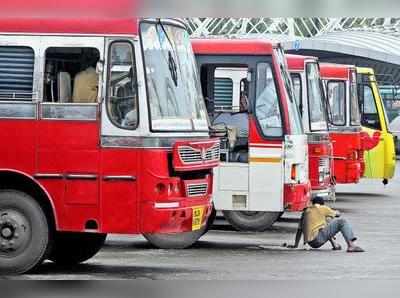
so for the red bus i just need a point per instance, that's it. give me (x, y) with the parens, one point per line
(264, 156)
(104, 130)
(309, 91)
(344, 121)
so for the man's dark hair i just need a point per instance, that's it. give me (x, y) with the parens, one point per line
(318, 200)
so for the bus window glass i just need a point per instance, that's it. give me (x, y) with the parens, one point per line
(370, 116)
(267, 108)
(16, 73)
(174, 92)
(317, 111)
(296, 125)
(296, 79)
(70, 75)
(355, 115)
(122, 100)
(337, 102)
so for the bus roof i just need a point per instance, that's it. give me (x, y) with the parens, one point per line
(336, 71)
(69, 26)
(232, 46)
(72, 16)
(296, 62)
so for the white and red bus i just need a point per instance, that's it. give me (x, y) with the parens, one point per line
(103, 130)
(309, 91)
(264, 157)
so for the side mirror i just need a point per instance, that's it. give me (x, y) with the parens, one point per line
(249, 75)
(99, 67)
(371, 121)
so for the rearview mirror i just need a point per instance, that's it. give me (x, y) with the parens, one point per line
(99, 67)
(248, 76)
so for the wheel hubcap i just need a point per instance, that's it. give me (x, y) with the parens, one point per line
(14, 231)
(6, 232)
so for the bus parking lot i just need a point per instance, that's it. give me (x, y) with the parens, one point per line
(138, 148)
(226, 254)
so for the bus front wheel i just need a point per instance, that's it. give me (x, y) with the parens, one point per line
(24, 233)
(174, 241)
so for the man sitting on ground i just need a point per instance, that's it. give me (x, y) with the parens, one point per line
(319, 224)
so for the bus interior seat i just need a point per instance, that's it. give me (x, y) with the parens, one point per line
(85, 86)
(64, 87)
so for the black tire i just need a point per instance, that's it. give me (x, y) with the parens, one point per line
(280, 216)
(74, 248)
(24, 233)
(176, 240)
(251, 221)
(210, 220)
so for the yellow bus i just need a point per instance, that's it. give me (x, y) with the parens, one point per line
(380, 161)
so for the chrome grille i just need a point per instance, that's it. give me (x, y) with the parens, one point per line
(324, 168)
(192, 155)
(196, 190)
(324, 163)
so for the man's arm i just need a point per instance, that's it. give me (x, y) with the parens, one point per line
(329, 212)
(299, 233)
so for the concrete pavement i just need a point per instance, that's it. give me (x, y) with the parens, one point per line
(373, 209)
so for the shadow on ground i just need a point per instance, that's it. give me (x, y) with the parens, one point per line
(117, 271)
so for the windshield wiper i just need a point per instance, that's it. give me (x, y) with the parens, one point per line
(171, 61)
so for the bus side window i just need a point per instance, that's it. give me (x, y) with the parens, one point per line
(122, 87)
(370, 116)
(16, 73)
(337, 102)
(296, 79)
(70, 75)
(223, 94)
(267, 109)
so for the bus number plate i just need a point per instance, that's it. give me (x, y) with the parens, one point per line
(197, 218)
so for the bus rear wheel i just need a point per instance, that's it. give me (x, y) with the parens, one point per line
(24, 233)
(251, 221)
(75, 248)
(174, 241)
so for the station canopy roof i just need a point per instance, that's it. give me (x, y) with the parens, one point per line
(378, 48)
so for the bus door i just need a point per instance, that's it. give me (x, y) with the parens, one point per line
(122, 137)
(229, 89)
(266, 152)
(380, 144)
(68, 129)
(250, 176)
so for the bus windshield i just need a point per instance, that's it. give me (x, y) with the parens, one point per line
(173, 86)
(294, 113)
(317, 111)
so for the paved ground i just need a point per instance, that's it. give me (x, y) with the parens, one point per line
(373, 209)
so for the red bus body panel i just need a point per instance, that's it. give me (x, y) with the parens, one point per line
(296, 196)
(232, 47)
(72, 147)
(318, 151)
(347, 166)
(348, 162)
(73, 16)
